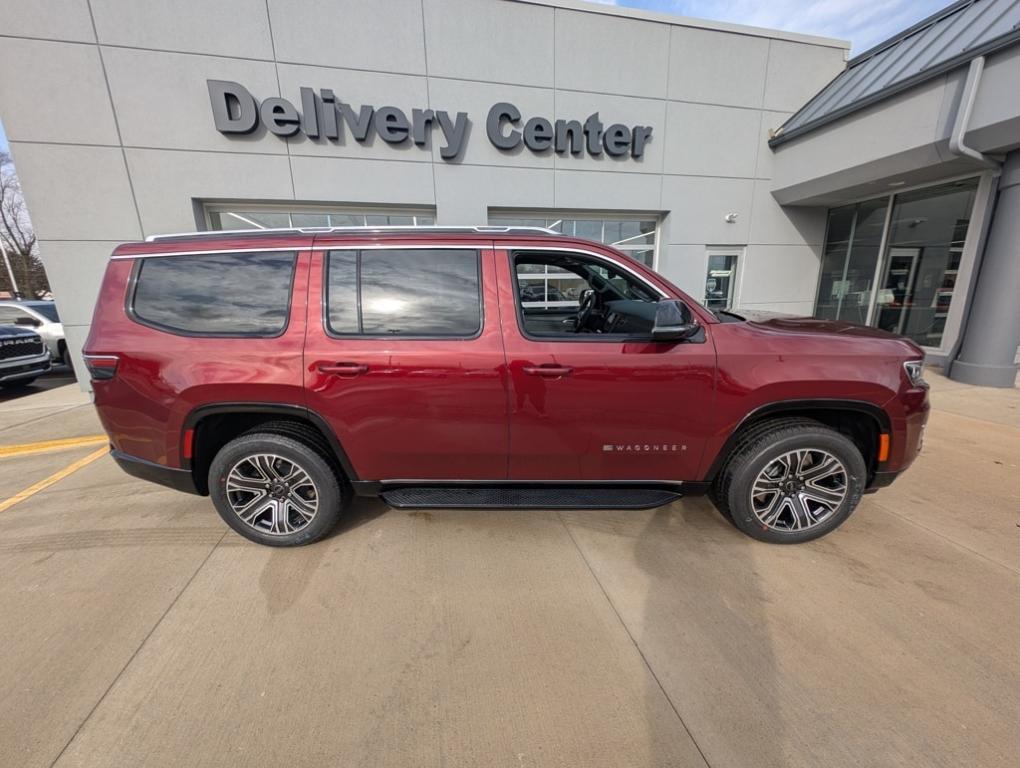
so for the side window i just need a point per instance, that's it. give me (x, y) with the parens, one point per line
(11, 315)
(574, 296)
(404, 292)
(228, 294)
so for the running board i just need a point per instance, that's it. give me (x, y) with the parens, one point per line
(527, 497)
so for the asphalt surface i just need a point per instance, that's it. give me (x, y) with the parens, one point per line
(138, 631)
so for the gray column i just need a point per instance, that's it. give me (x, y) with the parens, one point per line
(993, 329)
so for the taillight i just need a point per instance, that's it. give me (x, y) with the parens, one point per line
(101, 367)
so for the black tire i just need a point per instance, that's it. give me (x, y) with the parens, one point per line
(329, 491)
(762, 447)
(19, 384)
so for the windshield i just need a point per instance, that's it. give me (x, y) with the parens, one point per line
(47, 309)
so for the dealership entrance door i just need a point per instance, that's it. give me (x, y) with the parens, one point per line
(893, 262)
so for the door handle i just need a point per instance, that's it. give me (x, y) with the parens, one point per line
(548, 371)
(347, 370)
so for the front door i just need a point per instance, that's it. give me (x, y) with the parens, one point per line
(592, 397)
(405, 360)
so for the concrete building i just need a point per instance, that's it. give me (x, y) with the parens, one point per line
(701, 148)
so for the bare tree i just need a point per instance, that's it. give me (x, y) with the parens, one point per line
(18, 239)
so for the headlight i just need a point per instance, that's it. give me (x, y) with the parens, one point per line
(915, 372)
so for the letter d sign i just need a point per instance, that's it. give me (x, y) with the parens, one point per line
(234, 109)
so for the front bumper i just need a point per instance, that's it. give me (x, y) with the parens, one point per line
(882, 480)
(24, 368)
(178, 479)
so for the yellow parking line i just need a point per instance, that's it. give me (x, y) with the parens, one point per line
(56, 477)
(52, 445)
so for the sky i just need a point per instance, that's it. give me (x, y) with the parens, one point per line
(863, 23)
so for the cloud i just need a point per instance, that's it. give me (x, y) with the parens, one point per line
(864, 24)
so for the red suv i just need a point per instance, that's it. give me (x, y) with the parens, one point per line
(282, 372)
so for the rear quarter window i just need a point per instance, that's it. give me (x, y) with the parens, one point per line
(230, 294)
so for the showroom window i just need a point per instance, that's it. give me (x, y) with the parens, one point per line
(852, 247)
(241, 216)
(892, 262)
(550, 286)
(927, 230)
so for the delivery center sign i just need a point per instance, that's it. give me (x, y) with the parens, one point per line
(323, 116)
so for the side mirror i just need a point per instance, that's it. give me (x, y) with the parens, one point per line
(31, 322)
(673, 321)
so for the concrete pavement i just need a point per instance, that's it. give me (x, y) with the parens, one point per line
(137, 630)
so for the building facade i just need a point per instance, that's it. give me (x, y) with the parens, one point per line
(682, 142)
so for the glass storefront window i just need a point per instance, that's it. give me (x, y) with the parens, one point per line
(243, 217)
(927, 231)
(907, 288)
(852, 247)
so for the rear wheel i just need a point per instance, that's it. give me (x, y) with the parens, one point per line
(792, 482)
(275, 490)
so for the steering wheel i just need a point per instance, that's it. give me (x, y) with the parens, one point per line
(589, 299)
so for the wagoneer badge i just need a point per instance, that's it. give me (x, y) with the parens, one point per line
(643, 448)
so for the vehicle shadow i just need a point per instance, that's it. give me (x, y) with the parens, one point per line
(705, 634)
(58, 377)
(683, 581)
(288, 571)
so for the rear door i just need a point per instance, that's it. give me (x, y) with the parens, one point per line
(404, 358)
(597, 405)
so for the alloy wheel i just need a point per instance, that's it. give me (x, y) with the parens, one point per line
(799, 490)
(272, 494)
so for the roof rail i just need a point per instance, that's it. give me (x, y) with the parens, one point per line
(484, 230)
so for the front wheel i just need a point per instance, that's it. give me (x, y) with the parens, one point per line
(793, 483)
(275, 490)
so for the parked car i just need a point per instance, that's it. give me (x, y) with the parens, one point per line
(23, 356)
(284, 372)
(43, 318)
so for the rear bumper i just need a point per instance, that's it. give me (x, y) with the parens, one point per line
(25, 368)
(178, 479)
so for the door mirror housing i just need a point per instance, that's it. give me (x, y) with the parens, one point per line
(673, 321)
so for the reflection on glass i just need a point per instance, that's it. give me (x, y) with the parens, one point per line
(926, 236)
(217, 294)
(852, 245)
(411, 292)
(342, 303)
